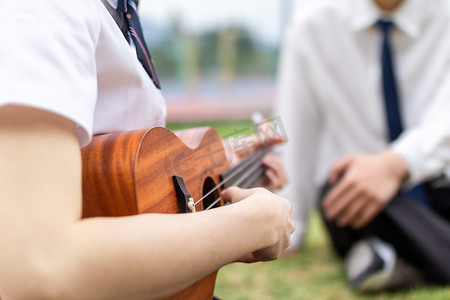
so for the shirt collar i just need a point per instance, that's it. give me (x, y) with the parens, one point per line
(120, 5)
(113, 3)
(409, 17)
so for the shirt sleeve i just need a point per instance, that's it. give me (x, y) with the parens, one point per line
(426, 147)
(47, 58)
(301, 119)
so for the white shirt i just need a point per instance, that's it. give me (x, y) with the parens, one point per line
(70, 58)
(330, 95)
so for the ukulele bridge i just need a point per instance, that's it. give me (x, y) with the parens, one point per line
(185, 202)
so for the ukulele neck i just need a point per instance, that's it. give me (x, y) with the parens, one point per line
(248, 173)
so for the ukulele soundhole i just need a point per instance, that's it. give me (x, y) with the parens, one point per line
(208, 186)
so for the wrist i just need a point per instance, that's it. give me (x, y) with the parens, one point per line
(397, 165)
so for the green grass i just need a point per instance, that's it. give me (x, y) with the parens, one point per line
(314, 273)
(226, 128)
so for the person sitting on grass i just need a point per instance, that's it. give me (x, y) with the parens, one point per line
(364, 94)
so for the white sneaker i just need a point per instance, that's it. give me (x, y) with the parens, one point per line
(373, 265)
(369, 265)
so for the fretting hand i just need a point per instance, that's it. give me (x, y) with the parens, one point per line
(275, 175)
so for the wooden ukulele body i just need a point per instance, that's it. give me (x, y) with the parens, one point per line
(130, 173)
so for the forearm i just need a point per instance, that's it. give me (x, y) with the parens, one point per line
(145, 256)
(426, 146)
(186, 248)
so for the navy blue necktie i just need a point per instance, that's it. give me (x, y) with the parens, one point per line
(391, 100)
(128, 8)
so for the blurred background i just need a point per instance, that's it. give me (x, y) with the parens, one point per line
(213, 55)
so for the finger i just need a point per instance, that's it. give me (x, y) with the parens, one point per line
(271, 182)
(366, 216)
(352, 213)
(335, 193)
(266, 136)
(339, 205)
(236, 194)
(269, 141)
(270, 160)
(273, 162)
(264, 140)
(339, 168)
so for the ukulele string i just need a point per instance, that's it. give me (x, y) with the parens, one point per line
(255, 179)
(257, 170)
(259, 176)
(235, 171)
(238, 169)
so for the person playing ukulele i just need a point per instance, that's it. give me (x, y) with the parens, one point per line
(67, 73)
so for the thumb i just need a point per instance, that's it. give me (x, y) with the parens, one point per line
(236, 194)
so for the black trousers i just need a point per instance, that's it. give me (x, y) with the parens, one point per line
(420, 235)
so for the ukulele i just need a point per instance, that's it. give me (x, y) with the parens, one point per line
(159, 171)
